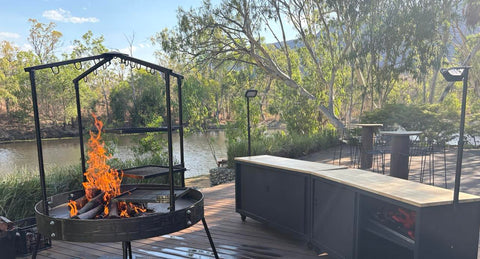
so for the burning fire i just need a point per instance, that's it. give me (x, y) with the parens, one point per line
(103, 182)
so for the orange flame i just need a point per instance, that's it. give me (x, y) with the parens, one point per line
(72, 205)
(137, 209)
(123, 208)
(101, 177)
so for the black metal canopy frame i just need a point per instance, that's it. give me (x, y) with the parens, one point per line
(103, 60)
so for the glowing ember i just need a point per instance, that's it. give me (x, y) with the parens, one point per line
(101, 178)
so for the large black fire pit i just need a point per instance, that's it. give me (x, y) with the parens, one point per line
(165, 214)
(159, 221)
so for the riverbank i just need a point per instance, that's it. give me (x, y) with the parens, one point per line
(198, 182)
(11, 130)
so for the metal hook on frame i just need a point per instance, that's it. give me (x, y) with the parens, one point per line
(152, 71)
(79, 65)
(138, 66)
(55, 72)
(85, 79)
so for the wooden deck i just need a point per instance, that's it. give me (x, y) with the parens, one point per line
(232, 237)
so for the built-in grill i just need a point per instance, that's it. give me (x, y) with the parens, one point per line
(169, 208)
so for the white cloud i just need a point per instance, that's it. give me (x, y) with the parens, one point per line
(65, 16)
(67, 49)
(126, 50)
(9, 35)
(26, 47)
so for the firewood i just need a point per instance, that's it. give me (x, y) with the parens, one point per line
(93, 191)
(91, 213)
(5, 224)
(93, 203)
(80, 202)
(113, 209)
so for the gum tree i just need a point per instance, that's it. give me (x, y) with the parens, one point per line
(331, 37)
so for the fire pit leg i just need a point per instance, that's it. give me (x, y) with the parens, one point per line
(35, 249)
(209, 238)
(127, 249)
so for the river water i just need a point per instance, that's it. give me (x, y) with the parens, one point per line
(59, 152)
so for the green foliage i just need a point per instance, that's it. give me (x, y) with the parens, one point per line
(300, 114)
(281, 144)
(20, 190)
(152, 145)
(149, 99)
(435, 121)
(119, 98)
(199, 101)
(145, 106)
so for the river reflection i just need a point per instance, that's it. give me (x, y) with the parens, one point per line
(60, 152)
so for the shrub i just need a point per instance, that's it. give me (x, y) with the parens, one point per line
(281, 144)
(435, 121)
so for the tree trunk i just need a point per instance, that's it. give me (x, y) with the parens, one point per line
(433, 85)
(332, 118)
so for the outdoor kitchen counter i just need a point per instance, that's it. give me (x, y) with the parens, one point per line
(417, 194)
(289, 164)
(351, 213)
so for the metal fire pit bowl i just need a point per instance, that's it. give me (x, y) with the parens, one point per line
(58, 225)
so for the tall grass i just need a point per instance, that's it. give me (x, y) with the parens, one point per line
(20, 190)
(281, 144)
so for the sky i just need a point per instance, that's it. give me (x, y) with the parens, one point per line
(116, 20)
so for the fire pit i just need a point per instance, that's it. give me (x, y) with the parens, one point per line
(106, 211)
(156, 221)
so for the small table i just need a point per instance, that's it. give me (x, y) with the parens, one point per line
(366, 156)
(400, 152)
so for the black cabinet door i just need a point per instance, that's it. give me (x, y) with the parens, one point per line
(333, 219)
(275, 197)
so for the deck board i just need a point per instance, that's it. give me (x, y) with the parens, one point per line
(233, 238)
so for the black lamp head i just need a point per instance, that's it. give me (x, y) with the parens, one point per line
(453, 74)
(250, 93)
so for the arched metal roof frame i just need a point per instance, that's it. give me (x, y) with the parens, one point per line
(99, 61)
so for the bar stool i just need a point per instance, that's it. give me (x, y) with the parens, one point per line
(350, 144)
(427, 152)
(380, 149)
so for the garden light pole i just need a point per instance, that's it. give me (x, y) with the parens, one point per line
(456, 74)
(249, 94)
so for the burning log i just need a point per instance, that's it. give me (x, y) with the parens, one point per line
(113, 209)
(93, 203)
(80, 202)
(91, 213)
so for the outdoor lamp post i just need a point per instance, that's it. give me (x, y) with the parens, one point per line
(456, 74)
(249, 94)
